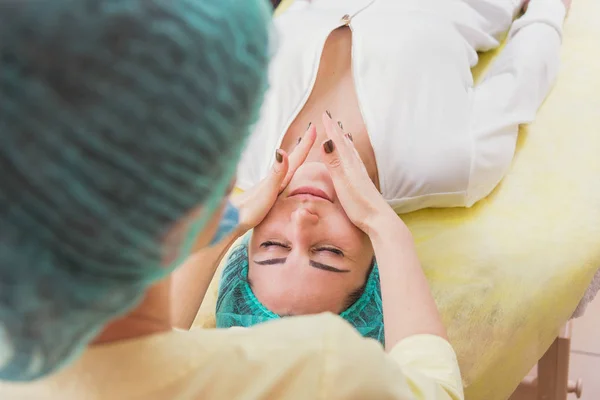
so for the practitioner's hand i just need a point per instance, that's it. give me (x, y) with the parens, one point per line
(255, 203)
(359, 197)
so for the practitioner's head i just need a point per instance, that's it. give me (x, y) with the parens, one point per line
(306, 257)
(121, 123)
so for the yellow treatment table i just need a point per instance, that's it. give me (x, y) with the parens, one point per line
(508, 273)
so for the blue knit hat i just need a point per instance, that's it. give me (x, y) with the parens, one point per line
(117, 118)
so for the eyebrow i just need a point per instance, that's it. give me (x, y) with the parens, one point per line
(314, 264)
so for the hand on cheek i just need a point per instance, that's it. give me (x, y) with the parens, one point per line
(255, 204)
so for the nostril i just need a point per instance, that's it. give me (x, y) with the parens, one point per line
(302, 215)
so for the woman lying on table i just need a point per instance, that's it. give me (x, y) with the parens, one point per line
(395, 78)
(122, 122)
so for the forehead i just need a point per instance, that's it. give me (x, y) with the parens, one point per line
(299, 290)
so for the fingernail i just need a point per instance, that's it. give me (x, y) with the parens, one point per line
(309, 125)
(340, 125)
(328, 146)
(328, 113)
(278, 156)
(349, 135)
(299, 140)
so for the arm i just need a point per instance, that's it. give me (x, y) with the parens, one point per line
(321, 356)
(420, 367)
(524, 72)
(326, 358)
(512, 92)
(408, 306)
(191, 280)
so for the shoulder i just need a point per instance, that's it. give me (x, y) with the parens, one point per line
(298, 357)
(326, 353)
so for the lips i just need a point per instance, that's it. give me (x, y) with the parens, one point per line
(311, 191)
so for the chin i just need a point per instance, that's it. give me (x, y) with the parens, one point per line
(312, 174)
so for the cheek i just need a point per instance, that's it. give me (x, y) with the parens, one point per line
(350, 237)
(339, 225)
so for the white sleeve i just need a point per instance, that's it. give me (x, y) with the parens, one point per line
(247, 168)
(513, 90)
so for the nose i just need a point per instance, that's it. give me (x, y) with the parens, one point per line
(302, 217)
(302, 222)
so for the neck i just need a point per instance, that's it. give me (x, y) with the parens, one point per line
(151, 316)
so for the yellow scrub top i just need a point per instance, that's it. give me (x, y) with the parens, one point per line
(304, 358)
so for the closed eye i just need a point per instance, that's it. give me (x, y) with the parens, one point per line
(331, 250)
(270, 243)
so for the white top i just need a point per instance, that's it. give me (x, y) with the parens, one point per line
(438, 140)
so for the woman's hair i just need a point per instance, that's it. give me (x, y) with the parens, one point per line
(117, 117)
(238, 306)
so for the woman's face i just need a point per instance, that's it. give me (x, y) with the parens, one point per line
(306, 257)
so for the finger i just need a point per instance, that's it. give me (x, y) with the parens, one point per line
(347, 135)
(342, 143)
(278, 171)
(339, 153)
(299, 154)
(305, 143)
(351, 139)
(309, 130)
(331, 158)
(333, 129)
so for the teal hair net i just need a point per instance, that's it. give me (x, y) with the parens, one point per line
(238, 306)
(117, 118)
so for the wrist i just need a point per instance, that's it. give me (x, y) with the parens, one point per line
(212, 255)
(386, 224)
(241, 202)
(239, 231)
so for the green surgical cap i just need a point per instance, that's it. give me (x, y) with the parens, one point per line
(238, 306)
(117, 118)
